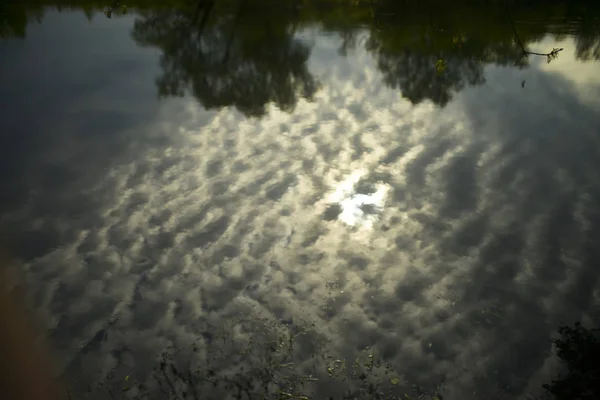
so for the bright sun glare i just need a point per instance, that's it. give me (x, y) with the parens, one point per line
(358, 209)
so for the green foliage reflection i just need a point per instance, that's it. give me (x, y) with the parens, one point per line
(247, 53)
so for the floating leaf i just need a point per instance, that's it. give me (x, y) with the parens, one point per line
(394, 381)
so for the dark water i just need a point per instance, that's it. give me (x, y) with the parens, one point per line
(403, 178)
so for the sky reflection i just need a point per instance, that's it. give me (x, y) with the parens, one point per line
(453, 239)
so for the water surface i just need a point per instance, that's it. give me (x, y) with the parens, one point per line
(418, 184)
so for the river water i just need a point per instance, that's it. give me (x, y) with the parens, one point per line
(431, 206)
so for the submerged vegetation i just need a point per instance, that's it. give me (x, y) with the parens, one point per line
(579, 349)
(277, 361)
(250, 359)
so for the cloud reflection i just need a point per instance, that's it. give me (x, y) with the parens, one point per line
(473, 240)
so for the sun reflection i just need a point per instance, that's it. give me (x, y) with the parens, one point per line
(359, 209)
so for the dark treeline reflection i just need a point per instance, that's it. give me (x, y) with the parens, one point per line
(431, 49)
(240, 56)
(247, 53)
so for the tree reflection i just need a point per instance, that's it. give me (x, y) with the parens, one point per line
(419, 78)
(245, 56)
(579, 349)
(431, 55)
(588, 47)
(587, 39)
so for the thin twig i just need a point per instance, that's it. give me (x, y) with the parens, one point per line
(550, 55)
(544, 54)
(515, 31)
